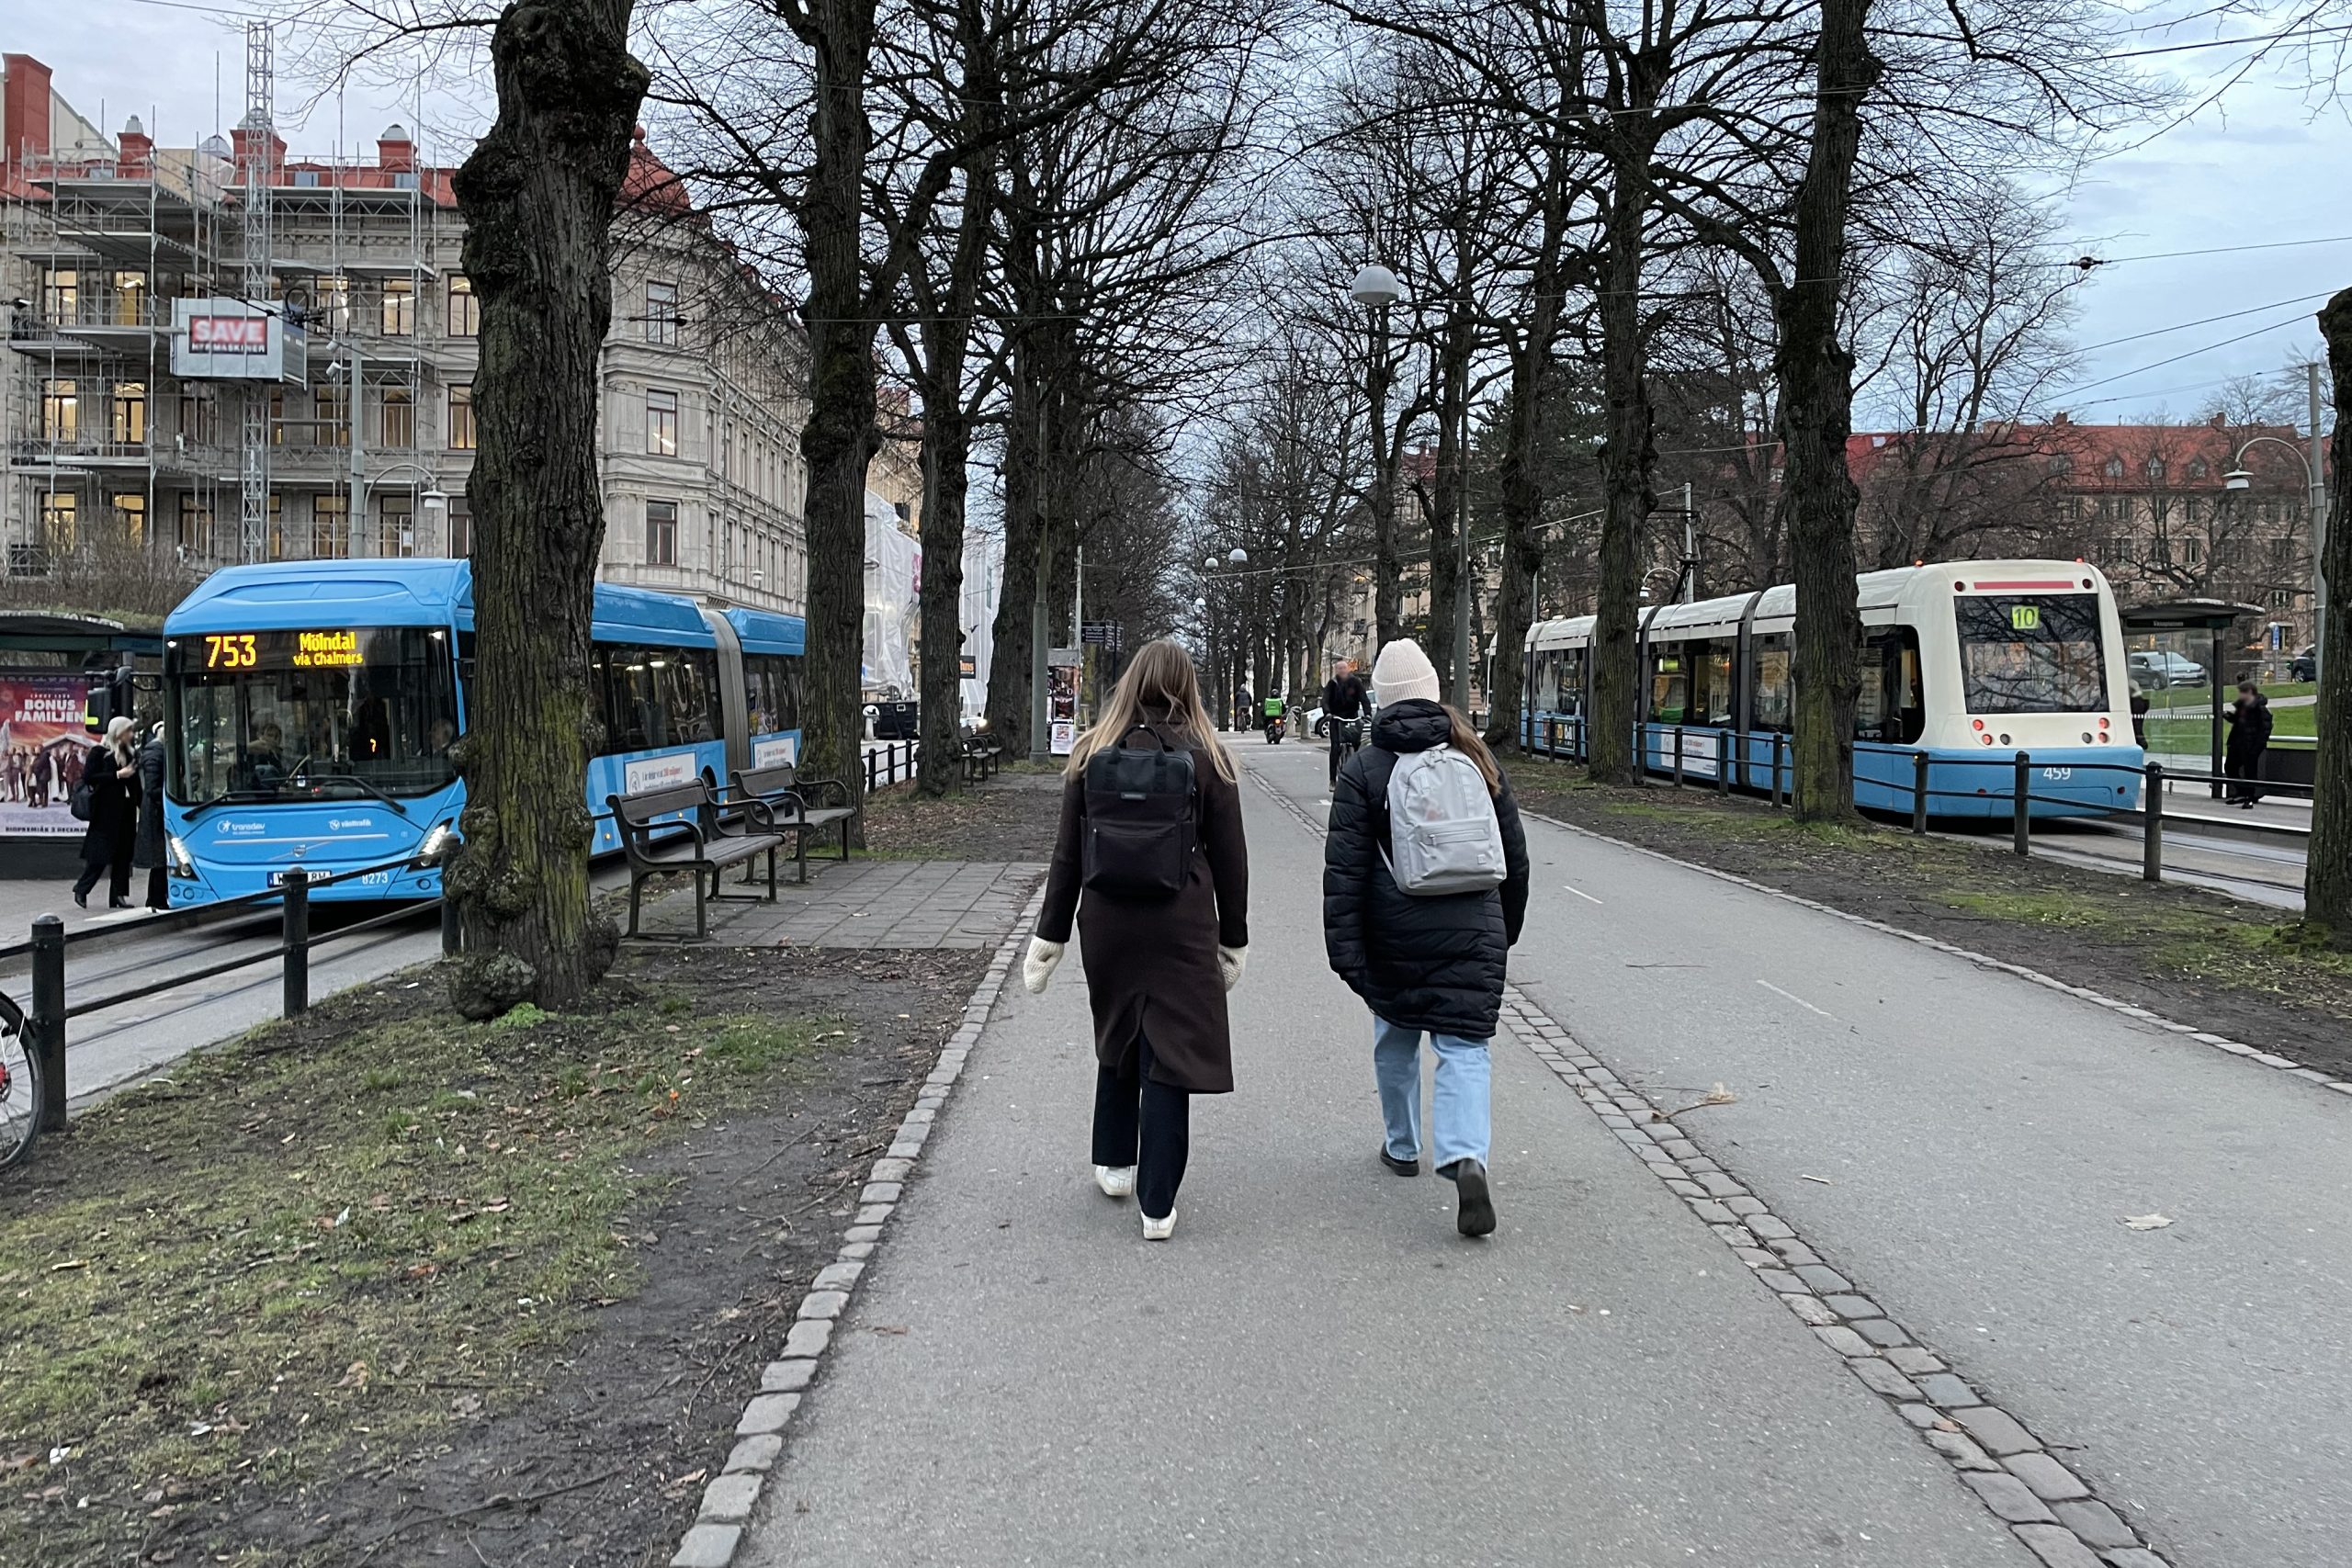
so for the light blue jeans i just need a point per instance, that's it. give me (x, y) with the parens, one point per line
(1464, 1125)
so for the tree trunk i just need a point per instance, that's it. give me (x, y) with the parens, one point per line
(1626, 465)
(537, 194)
(1518, 481)
(1815, 374)
(840, 437)
(1388, 566)
(1012, 636)
(2327, 875)
(1450, 474)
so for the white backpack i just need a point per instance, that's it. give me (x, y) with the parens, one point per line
(1442, 831)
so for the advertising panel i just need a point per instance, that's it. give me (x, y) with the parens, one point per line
(42, 747)
(658, 773)
(1061, 699)
(237, 340)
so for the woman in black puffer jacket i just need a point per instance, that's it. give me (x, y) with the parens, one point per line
(1424, 964)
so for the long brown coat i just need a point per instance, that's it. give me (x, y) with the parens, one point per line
(1151, 965)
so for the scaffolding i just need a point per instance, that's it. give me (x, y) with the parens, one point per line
(253, 451)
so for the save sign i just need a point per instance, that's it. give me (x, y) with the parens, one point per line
(229, 334)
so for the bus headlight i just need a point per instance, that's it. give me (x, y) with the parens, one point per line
(439, 842)
(183, 864)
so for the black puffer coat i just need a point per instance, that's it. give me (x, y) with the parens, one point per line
(1434, 964)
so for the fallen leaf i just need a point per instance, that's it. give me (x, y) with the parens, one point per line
(75, 1263)
(1719, 1095)
(423, 1270)
(887, 1328)
(2145, 1222)
(354, 1376)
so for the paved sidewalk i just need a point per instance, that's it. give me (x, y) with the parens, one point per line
(1317, 1370)
(861, 903)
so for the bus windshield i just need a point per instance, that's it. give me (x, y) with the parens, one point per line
(365, 711)
(2032, 653)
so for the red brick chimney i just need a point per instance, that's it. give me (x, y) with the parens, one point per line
(263, 147)
(137, 160)
(2060, 421)
(23, 129)
(395, 151)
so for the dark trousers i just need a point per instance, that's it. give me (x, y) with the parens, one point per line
(2248, 768)
(1339, 751)
(116, 872)
(1146, 1124)
(158, 895)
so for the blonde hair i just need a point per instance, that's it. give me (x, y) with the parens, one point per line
(118, 736)
(1466, 740)
(1159, 686)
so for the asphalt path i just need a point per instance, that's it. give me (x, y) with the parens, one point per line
(1317, 1370)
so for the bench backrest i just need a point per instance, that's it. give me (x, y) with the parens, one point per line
(639, 815)
(777, 779)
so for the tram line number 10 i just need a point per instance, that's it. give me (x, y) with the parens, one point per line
(231, 652)
(2025, 617)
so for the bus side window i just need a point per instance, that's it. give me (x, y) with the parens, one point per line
(1774, 695)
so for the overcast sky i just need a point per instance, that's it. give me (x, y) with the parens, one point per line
(2265, 173)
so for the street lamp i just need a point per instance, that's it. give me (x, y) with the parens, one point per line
(1376, 288)
(2241, 478)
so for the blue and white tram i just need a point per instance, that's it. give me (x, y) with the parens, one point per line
(1969, 663)
(309, 708)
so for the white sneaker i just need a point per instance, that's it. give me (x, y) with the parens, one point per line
(1159, 1229)
(1116, 1180)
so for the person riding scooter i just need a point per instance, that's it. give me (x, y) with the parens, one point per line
(1273, 721)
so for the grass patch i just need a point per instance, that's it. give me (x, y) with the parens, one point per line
(323, 1245)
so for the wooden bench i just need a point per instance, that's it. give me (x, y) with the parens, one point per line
(983, 754)
(776, 800)
(659, 842)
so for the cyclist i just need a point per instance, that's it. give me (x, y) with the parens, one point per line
(1343, 704)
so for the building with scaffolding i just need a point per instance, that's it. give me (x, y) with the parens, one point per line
(221, 353)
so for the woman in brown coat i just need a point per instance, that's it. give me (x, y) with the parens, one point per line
(1158, 967)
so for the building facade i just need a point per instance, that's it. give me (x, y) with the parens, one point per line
(132, 456)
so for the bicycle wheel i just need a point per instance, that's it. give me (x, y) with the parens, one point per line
(19, 1090)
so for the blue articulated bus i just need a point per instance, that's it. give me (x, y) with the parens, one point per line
(310, 706)
(1967, 663)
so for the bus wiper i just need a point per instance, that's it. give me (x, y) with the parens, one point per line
(356, 782)
(225, 798)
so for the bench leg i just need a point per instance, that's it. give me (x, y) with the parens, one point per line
(634, 883)
(845, 822)
(701, 914)
(772, 849)
(800, 852)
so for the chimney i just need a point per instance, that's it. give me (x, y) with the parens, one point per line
(2220, 421)
(394, 151)
(137, 156)
(259, 145)
(24, 125)
(2060, 421)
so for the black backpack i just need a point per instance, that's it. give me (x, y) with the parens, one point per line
(1141, 804)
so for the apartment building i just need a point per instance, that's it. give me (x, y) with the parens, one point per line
(221, 353)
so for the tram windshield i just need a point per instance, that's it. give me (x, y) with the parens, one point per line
(2032, 653)
(340, 712)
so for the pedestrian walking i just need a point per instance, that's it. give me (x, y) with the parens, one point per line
(1343, 703)
(1150, 862)
(149, 854)
(1424, 891)
(112, 775)
(2249, 721)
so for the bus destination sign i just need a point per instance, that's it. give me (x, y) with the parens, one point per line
(282, 650)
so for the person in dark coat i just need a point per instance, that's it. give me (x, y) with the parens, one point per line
(2249, 721)
(1157, 969)
(112, 774)
(1424, 964)
(1343, 701)
(149, 854)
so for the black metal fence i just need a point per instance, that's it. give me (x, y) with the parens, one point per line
(46, 1011)
(891, 763)
(1727, 752)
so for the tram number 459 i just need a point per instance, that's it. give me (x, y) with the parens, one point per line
(2057, 775)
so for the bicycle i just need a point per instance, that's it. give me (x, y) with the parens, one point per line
(19, 1087)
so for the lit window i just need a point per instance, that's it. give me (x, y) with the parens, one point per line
(129, 413)
(461, 416)
(398, 311)
(461, 528)
(130, 517)
(61, 410)
(399, 422)
(58, 510)
(661, 423)
(330, 536)
(465, 311)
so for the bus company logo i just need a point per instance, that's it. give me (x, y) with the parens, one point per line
(241, 829)
(340, 824)
(229, 334)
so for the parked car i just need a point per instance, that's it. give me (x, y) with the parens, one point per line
(2166, 670)
(2305, 666)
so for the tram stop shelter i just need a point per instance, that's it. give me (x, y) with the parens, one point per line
(2185, 618)
(50, 663)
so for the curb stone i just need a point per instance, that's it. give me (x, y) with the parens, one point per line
(1982, 1442)
(731, 1498)
(1983, 961)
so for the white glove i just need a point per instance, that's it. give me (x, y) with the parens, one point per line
(1038, 967)
(1230, 962)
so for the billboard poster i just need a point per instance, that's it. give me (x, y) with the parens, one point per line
(41, 750)
(232, 340)
(1061, 698)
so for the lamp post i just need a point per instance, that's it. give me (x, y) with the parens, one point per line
(1376, 287)
(2240, 478)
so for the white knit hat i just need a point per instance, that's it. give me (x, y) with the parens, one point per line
(1402, 673)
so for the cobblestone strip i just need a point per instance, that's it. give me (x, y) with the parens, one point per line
(1982, 961)
(728, 1501)
(2049, 1508)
